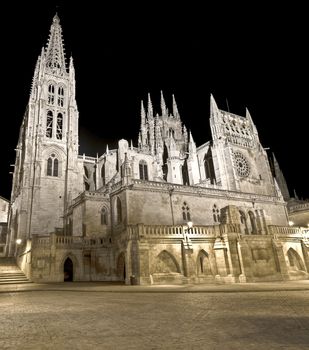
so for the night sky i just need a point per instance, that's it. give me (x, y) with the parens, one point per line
(250, 56)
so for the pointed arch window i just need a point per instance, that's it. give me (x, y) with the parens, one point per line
(143, 170)
(59, 126)
(216, 213)
(49, 124)
(209, 167)
(51, 94)
(103, 174)
(118, 211)
(52, 165)
(186, 212)
(60, 96)
(185, 173)
(104, 216)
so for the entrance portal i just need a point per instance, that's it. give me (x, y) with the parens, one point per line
(68, 270)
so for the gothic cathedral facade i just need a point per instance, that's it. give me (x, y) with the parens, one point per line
(163, 211)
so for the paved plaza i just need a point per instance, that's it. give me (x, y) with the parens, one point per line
(100, 316)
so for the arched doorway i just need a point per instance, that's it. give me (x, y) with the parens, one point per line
(295, 260)
(68, 270)
(121, 267)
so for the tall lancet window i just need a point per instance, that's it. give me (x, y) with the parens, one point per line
(52, 165)
(60, 96)
(143, 170)
(49, 124)
(59, 126)
(51, 94)
(209, 167)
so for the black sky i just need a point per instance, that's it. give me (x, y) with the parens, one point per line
(246, 56)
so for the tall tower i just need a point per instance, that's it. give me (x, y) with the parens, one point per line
(240, 162)
(46, 167)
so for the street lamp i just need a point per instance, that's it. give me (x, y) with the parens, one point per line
(18, 241)
(190, 225)
(291, 223)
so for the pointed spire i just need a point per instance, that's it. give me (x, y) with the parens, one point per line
(192, 145)
(107, 150)
(213, 106)
(55, 60)
(150, 110)
(185, 134)
(131, 145)
(143, 113)
(295, 194)
(280, 179)
(163, 105)
(35, 79)
(248, 115)
(175, 108)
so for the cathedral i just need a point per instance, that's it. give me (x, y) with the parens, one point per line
(164, 211)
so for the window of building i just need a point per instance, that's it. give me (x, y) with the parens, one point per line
(103, 216)
(143, 170)
(59, 126)
(118, 211)
(209, 167)
(216, 213)
(185, 173)
(52, 165)
(49, 124)
(186, 212)
(60, 96)
(103, 173)
(51, 94)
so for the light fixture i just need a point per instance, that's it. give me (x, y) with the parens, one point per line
(291, 223)
(18, 241)
(190, 224)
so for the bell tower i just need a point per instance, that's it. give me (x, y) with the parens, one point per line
(240, 161)
(46, 168)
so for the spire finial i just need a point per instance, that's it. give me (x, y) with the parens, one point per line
(150, 110)
(163, 105)
(213, 106)
(175, 108)
(55, 60)
(56, 19)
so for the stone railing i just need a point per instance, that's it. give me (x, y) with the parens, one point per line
(157, 231)
(298, 207)
(88, 195)
(288, 230)
(69, 241)
(89, 158)
(201, 191)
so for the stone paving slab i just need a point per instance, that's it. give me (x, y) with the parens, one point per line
(65, 319)
(191, 288)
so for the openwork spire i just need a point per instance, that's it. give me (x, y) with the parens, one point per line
(55, 61)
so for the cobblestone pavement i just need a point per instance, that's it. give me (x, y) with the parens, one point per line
(68, 319)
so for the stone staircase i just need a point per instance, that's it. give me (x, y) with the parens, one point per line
(10, 273)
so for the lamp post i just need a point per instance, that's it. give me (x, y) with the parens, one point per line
(189, 225)
(18, 243)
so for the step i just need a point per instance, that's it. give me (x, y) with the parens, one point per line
(14, 282)
(13, 278)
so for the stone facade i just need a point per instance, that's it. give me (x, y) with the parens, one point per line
(124, 216)
(4, 210)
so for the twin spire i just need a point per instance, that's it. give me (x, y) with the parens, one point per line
(55, 57)
(164, 109)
